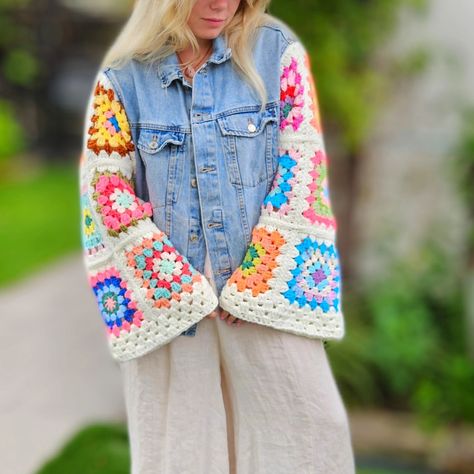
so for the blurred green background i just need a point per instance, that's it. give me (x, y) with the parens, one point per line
(399, 130)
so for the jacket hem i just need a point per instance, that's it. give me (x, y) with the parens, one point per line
(303, 323)
(143, 343)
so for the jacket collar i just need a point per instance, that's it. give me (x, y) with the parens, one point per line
(170, 70)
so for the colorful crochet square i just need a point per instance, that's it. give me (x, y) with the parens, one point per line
(90, 234)
(316, 278)
(117, 203)
(316, 119)
(118, 310)
(110, 130)
(291, 96)
(319, 210)
(281, 192)
(161, 270)
(259, 261)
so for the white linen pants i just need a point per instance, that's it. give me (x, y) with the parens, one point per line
(244, 400)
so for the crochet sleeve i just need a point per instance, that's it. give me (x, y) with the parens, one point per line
(290, 276)
(146, 291)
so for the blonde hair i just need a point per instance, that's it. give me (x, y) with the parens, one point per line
(157, 28)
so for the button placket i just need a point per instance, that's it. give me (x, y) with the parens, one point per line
(204, 154)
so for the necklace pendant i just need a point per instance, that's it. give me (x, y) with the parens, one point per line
(190, 71)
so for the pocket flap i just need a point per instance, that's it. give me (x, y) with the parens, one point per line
(248, 123)
(152, 140)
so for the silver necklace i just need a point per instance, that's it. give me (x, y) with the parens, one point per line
(189, 71)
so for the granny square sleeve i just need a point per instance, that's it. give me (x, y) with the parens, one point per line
(290, 277)
(147, 293)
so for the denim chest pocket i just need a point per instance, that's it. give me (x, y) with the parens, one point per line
(163, 154)
(250, 145)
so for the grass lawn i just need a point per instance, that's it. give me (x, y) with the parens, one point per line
(40, 221)
(383, 471)
(99, 448)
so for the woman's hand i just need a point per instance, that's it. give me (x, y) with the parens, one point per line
(231, 320)
(225, 315)
(214, 313)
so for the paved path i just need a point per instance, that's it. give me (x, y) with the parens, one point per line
(56, 371)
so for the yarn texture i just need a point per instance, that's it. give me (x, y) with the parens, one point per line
(290, 277)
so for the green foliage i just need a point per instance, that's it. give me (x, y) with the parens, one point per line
(404, 341)
(97, 448)
(18, 48)
(42, 208)
(12, 138)
(463, 166)
(369, 470)
(9, 4)
(412, 312)
(392, 341)
(350, 359)
(407, 347)
(20, 67)
(445, 393)
(341, 37)
(413, 63)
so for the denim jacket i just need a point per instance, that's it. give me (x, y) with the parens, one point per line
(170, 168)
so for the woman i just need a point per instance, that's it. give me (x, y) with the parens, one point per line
(180, 149)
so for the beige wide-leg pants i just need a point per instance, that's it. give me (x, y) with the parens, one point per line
(245, 400)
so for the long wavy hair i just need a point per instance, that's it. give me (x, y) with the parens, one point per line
(157, 28)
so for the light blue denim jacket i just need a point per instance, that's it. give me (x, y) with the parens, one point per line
(206, 154)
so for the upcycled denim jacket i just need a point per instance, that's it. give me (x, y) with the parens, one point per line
(170, 168)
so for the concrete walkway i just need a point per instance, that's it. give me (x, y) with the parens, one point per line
(56, 372)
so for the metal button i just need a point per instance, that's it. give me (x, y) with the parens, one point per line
(193, 182)
(153, 143)
(193, 237)
(251, 126)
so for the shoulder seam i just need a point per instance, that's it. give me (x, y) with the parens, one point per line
(286, 32)
(289, 43)
(115, 85)
(273, 26)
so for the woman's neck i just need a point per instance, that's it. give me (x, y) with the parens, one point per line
(187, 55)
(204, 45)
